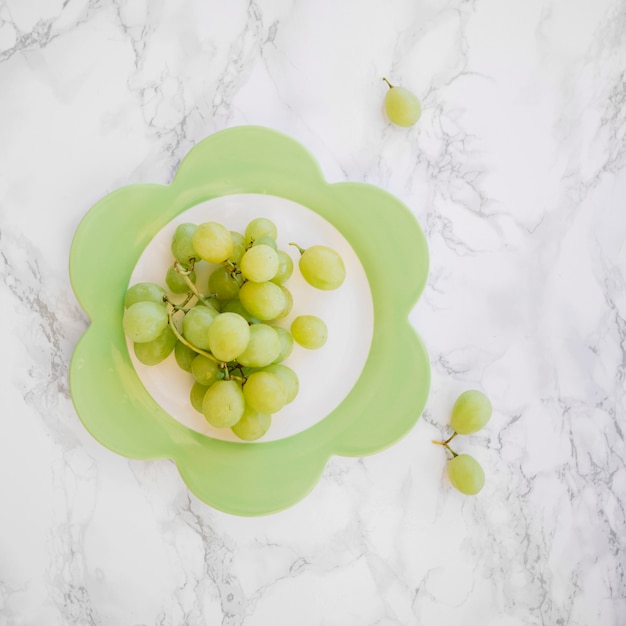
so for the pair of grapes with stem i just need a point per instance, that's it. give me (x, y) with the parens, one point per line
(470, 413)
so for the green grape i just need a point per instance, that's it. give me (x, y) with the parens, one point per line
(229, 335)
(144, 321)
(260, 227)
(309, 331)
(223, 284)
(182, 246)
(401, 106)
(223, 404)
(322, 267)
(265, 392)
(196, 395)
(471, 412)
(213, 303)
(466, 474)
(184, 355)
(204, 370)
(175, 282)
(288, 303)
(157, 350)
(263, 347)
(212, 242)
(265, 301)
(289, 378)
(144, 292)
(266, 241)
(286, 344)
(235, 306)
(239, 247)
(259, 263)
(196, 326)
(252, 425)
(285, 268)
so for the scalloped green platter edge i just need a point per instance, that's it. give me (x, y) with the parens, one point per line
(265, 477)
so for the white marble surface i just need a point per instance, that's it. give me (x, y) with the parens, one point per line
(517, 173)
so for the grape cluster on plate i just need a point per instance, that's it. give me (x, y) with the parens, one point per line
(227, 334)
(470, 413)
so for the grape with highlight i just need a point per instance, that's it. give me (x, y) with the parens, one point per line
(466, 474)
(402, 106)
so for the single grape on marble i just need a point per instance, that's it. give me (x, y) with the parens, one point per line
(401, 105)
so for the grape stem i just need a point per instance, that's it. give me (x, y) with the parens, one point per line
(446, 442)
(181, 269)
(170, 317)
(232, 268)
(228, 373)
(182, 305)
(388, 83)
(447, 447)
(224, 366)
(185, 275)
(186, 301)
(449, 439)
(302, 250)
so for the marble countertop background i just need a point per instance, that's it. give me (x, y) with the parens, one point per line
(517, 174)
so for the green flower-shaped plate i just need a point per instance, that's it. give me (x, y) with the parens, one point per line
(263, 477)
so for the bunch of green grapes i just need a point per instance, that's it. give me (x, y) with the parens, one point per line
(227, 333)
(470, 413)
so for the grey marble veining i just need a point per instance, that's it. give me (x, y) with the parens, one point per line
(517, 174)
